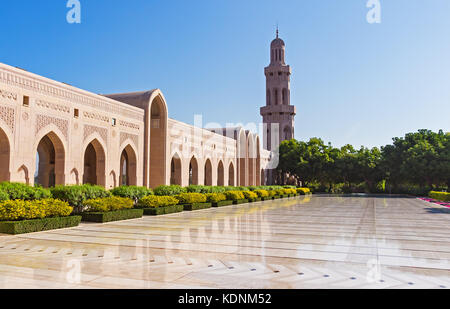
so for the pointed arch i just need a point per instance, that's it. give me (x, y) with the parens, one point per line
(208, 173)
(258, 161)
(94, 163)
(175, 170)
(128, 166)
(231, 175)
(50, 159)
(5, 156)
(242, 158)
(193, 171)
(220, 174)
(158, 122)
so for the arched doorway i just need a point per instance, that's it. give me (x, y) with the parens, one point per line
(193, 172)
(220, 174)
(128, 167)
(242, 159)
(158, 131)
(231, 175)
(4, 157)
(251, 160)
(50, 161)
(94, 164)
(208, 173)
(175, 170)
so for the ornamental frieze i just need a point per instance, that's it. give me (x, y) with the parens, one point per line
(7, 114)
(42, 121)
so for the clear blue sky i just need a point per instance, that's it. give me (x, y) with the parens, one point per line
(352, 82)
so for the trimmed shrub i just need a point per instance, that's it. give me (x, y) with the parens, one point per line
(215, 197)
(106, 204)
(77, 195)
(169, 190)
(191, 198)
(272, 193)
(440, 196)
(289, 191)
(194, 189)
(37, 225)
(196, 206)
(234, 195)
(163, 210)
(249, 195)
(303, 191)
(3, 196)
(154, 201)
(20, 191)
(16, 210)
(262, 193)
(133, 192)
(242, 189)
(117, 215)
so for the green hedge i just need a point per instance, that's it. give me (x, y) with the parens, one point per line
(118, 215)
(197, 206)
(169, 190)
(77, 195)
(154, 201)
(163, 210)
(38, 225)
(190, 198)
(243, 201)
(222, 203)
(133, 192)
(19, 191)
(440, 196)
(106, 204)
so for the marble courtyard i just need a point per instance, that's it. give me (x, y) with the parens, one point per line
(303, 242)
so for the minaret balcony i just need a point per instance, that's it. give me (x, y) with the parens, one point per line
(285, 109)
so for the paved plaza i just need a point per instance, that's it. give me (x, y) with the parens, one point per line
(303, 242)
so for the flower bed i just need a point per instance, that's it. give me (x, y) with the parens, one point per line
(153, 205)
(38, 225)
(110, 209)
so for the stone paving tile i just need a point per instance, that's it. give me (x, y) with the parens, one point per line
(306, 242)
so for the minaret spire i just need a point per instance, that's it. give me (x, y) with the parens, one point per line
(277, 31)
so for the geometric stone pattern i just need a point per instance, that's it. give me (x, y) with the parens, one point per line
(304, 242)
(7, 114)
(88, 130)
(124, 136)
(42, 121)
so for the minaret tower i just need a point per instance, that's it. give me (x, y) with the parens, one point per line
(278, 114)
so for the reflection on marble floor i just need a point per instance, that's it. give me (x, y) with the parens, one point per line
(304, 242)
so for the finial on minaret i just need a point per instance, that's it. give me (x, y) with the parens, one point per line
(277, 30)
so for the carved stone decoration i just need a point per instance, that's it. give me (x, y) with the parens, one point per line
(8, 95)
(96, 116)
(7, 115)
(124, 136)
(54, 106)
(25, 116)
(129, 125)
(42, 121)
(88, 130)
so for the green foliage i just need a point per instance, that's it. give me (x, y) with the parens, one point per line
(262, 193)
(106, 204)
(250, 195)
(191, 198)
(413, 164)
(16, 210)
(234, 195)
(440, 196)
(154, 201)
(77, 195)
(38, 225)
(171, 190)
(215, 197)
(19, 191)
(133, 192)
(110, 216)
(303, 191)
(3, 196)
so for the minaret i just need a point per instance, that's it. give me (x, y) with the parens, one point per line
(278, 114)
